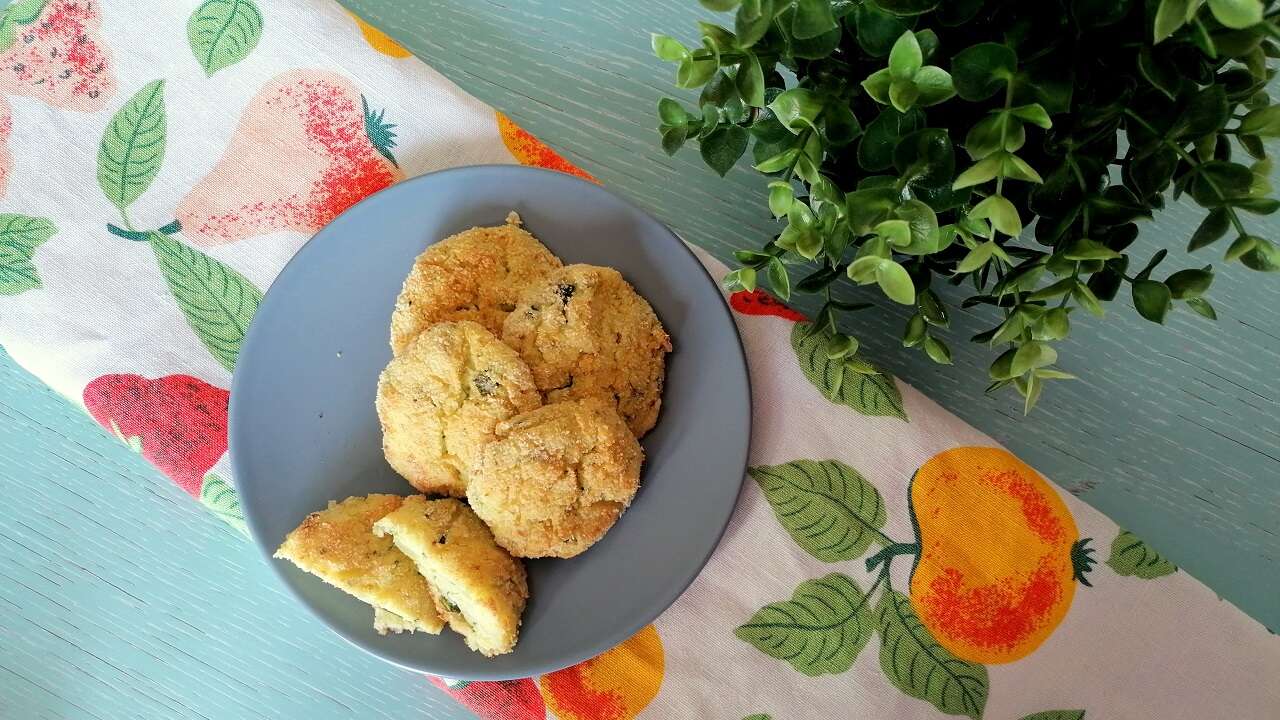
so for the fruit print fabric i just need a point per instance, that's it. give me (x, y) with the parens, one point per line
(177, 422)
(55, 53)
(307, 147)
(126, 320)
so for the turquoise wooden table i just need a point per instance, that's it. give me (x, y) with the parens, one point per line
(119, 597)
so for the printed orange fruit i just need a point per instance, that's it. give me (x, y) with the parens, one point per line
(614, 685)
(529, 150)
(379, 40)
(999, 554)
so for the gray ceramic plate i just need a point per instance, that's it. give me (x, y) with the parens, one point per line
(304, 430)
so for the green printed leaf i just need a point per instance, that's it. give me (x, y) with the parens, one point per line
(920, 667)
(827, 507)
(20, 235)
(223, 32)
(1056, 715)
(758, 716)
(217, 301)
(841, 381)
(19, 12)
(1130, 556)
(132, 146)
(218, 495)
(819, 631)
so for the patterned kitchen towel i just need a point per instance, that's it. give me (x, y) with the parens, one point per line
(885, 559)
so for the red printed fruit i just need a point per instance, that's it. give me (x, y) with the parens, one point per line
(307, 148)
(759, 302)
(503, 700)
(52, 50)
(177, 422)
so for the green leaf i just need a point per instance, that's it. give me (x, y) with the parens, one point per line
(781, 161)
(1170, 15)
(926, 163)
(876, 150)
(781, 195)
(1087, 300)
(976, 258)
(937, 350)
(877, 29)
(903, 94)
(934, 85)
(915, 332)
(1056, 715)
(819, 631)
(224, 32)
(1211, 229)
(1160, 72)
(985, 170)
(1263, 257)
(895, 232)
(896, 283)
(907, 7)
(671, 112)
(987, 136)
(20, 235)
(932, 309)
(827, 507)
(1032, 355)
(905, 58)
(797, 109)
(217, 301)
(1055, 325)
(132, 146)
(838, 125)
(696, 69)
(673, 139)
(752, 21)
(722, 148)
(983, 70)
(17, 14)
(758, 716)
(1088, 249)
(1015, 168)
(877, 85)
(1190, 283)
(838, 381)
(812, 18)
(1242, 245)
(778, 278)
(720, 6)
(1237, 14)
(920, 667)
(1264, 122)
(841, 346)
(750, 81)
(1206, 113)
(218, 495)
(720, 39)
(1202, 307)
(1002, 214)
(1152, 300)
(1130, 556)
(1034, 114)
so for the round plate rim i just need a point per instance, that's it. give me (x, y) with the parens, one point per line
(607, 640)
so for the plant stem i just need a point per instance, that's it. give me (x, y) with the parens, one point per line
(891, 551)
(1195, 167)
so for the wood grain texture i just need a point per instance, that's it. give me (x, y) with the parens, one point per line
(120, 597)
